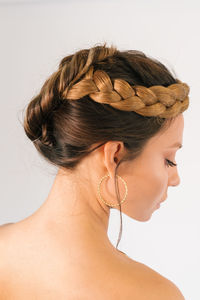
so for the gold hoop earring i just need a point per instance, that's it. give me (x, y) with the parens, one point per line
(99, 193)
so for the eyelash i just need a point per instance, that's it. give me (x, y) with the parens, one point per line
(170, 163)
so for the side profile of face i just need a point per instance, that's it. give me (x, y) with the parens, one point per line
(149, 176)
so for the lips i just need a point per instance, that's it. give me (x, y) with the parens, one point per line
(163, 200)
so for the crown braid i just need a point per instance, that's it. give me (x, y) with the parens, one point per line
(64, 131)
(107, 76)
(164, 102)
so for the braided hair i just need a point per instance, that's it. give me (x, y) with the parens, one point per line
(102, 94)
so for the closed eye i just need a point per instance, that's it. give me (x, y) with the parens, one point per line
(170, 163)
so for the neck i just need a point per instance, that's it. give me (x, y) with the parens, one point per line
(72, 203)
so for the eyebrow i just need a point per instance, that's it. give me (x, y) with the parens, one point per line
(177, 145)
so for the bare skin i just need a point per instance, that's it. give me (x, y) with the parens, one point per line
(62, 251)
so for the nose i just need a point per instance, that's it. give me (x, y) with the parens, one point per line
(174, 178)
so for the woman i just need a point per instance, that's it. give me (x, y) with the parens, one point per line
(111, 121)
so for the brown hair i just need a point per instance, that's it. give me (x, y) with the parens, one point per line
(93, 98)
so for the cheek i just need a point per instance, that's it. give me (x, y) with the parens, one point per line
(153, 183)
(148, 183)
(158, 183)
(145, 190)
(146, 187)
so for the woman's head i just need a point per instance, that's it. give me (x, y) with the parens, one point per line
(100, 96)
(150, 174)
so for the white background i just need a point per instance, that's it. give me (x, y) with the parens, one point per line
(34, 36)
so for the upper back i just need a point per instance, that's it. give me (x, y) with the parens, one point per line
(31, 270)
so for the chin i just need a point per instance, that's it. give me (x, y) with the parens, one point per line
(141, 218)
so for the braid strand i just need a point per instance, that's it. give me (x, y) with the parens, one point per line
(165, 102)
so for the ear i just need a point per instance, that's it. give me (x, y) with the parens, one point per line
(113, 152)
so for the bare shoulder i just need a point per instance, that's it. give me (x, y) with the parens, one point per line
(6, 230)
(143, 283)
(170, 291)
(121, 276)
(4, 233)
(5, 225)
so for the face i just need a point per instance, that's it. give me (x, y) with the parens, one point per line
(149, 176)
